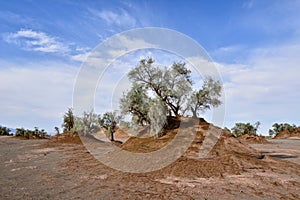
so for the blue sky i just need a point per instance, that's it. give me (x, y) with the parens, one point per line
(255, 45)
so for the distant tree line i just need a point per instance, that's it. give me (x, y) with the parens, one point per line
(5, 131)
(240, 129)
(277, 128)
(27, 133)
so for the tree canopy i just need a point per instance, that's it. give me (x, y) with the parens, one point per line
(168, 88)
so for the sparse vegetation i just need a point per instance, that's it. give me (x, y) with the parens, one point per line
(69, 121)
(87, 124)
(245, 128)
(109, 121)
(4, 131)
(27, 133)
(277, 128)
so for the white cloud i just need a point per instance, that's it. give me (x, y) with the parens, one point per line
(266, 88)
(120, 19)
(35, 95)
(36, 41)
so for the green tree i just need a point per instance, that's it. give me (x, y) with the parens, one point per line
(69, 120)
(87, 124)
(170, 85)
(277, 128)
(109, 121)
(4, 130)
(245, 128)
(20, 132)
(207, 97)
(56, 130)
(137, 103)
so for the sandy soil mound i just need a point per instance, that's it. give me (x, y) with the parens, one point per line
(253, 139)
(228, 156)
(65, 138)
(287, 134)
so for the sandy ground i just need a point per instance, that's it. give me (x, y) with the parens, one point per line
(33, 169)
(286, 149)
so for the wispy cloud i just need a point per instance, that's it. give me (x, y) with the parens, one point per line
(120, 18)
(31, 40)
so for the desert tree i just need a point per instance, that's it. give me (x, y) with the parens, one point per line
(160, 91)
(277, 128)
(56, 130)
(87, 124)
(109, 122)
(136, 102)
(69, 120)
(4, 130)
(171, 85)
(206, 97)
(245, 128)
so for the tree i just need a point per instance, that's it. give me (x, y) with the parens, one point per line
(207, 97)
(20, 132)
(172, 88)
(245, 128)
(56, 130)
(87, 124)
(136, 102)
(277, 128)
(4, 130)
(69, 120)
(170, 85)
(109, 121)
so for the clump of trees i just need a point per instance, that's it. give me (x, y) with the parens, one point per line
(27, 133)
(277, 128)
(91, 122)
(5, 131)
(244, 128)
(156, 93)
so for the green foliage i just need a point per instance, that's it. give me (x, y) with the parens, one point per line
(277, 128)
(109, 121)
(31, 133)
(69, 120)
(4, 130)
(206, 97)
(137, 103)
(87, 124)
(157, 116)
(172, 87)
(245, 128)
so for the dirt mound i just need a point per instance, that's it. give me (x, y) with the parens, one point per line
(228, 156)
(288, 134)
(66, 138)
(253, 139)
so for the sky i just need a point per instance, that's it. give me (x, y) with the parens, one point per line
(254, 44)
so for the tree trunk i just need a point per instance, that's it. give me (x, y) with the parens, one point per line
(194, 111)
